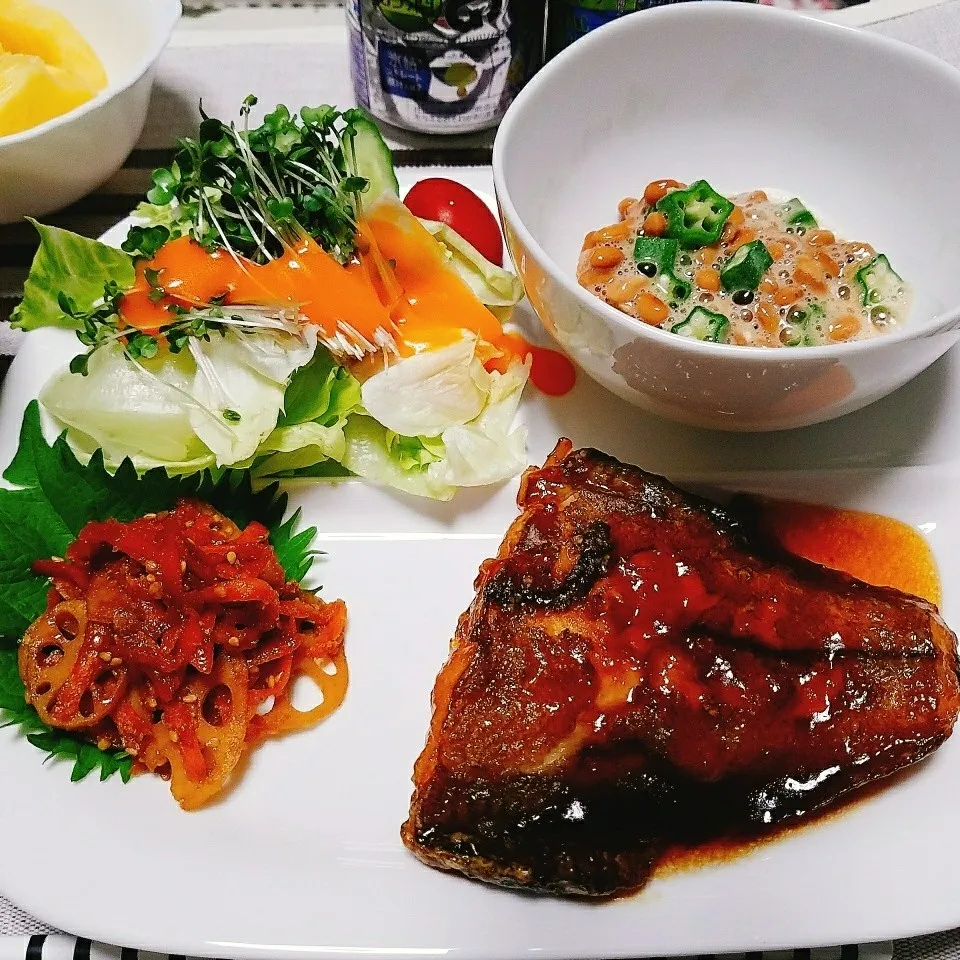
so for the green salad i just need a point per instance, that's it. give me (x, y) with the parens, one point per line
(268, 310)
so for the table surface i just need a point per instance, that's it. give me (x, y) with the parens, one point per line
(299, 56)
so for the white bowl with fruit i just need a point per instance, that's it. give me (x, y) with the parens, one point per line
(75, 82)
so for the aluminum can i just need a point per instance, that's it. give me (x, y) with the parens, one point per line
(443, 66)
(572, 19)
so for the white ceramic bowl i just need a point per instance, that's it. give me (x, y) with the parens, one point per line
(50, 166)
(862, 128)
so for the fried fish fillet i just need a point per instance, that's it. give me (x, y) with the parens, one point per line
(642, 668)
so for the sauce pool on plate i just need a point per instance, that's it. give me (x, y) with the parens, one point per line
(877, 549)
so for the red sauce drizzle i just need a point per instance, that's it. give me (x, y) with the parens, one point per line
(551, 371)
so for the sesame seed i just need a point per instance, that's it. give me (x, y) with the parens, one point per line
(151, 578)
(133, 751)
(106, 656)
(151, 565)
(188, 524)
(189, 698)
(103, 744)
(234, 641)
(271, 681)
(149, 516)
(231, 556)
(183, 566)
(174, 736)
(116, 662)
(152, 703)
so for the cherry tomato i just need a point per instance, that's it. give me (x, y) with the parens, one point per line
(460, 209)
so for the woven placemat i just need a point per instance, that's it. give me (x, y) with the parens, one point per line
(205, 6)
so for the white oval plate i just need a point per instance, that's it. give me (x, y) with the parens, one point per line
(303, 858)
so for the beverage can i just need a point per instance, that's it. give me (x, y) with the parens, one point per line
(572, 19)
(443, 66)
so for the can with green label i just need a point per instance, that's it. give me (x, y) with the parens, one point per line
(443, 66)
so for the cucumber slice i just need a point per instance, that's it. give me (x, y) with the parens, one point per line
(374, 161)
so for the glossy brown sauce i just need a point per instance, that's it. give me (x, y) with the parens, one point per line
(877, 549)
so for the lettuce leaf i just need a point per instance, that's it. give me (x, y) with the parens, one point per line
(493, 285)
(211, 406)
(70, 264)
(425, 394)
(372, 453)
(135, 411)
(291, 449)
(241, 378)
(320, 390)
(310, 431)
(492, 447)
(487, 449)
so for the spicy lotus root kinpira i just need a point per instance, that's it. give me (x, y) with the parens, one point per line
(178, 638)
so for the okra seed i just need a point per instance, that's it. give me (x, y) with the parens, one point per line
(784, 274)
(843, 292)
(742, 297)
(875, 296)
(746, 315)
(647, 269)
(685, 260)
(706, 298)
(880, 316)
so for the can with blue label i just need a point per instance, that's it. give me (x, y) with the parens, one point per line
(443, 66)
(572, 19)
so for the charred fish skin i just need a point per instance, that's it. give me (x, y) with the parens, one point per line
(641, 668)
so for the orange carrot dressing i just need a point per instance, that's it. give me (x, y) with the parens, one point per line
(401, 285)
(437, 304)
